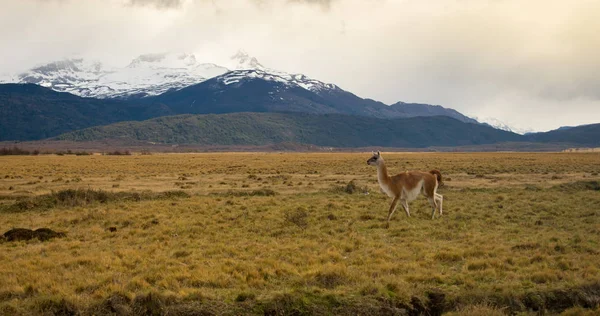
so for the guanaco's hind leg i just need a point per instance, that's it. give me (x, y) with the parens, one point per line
(439, 199)
(433, 206)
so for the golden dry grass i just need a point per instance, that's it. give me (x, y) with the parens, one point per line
(518, 231)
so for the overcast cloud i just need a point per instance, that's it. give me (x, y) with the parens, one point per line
(529, 63)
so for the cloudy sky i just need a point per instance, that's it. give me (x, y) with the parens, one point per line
(532, 64)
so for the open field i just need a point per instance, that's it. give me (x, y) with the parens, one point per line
(270, 233)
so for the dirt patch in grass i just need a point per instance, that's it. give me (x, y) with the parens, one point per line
(43, 234)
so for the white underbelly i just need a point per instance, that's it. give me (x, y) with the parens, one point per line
(412, 194)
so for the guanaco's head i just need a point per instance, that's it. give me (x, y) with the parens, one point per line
(374, 161)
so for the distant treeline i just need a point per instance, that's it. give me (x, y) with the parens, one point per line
(17, 151)
(7, 151)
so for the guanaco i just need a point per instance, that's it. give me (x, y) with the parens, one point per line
(405, 187)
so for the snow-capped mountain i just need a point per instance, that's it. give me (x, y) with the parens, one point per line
(246, 66)
(276, 76)
(146, 75)
(62, 75)
(151, 74)
(498, 124)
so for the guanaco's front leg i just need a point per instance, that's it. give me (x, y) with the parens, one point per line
(405, 205)
(392, 208)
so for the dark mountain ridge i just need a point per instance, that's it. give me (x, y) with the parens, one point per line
(257, 91)
(587, 135)
(334, 130)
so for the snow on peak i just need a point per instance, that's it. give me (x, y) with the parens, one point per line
(64, 74)
(276, 76)
(154, 74)
(246, 66)
(498, 124)
(146, 75)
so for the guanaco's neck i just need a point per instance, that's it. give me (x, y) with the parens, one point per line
(382, 174)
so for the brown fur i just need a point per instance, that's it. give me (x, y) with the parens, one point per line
(439, 176)
(405, 187)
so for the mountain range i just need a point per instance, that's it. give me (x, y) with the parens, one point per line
(158, 85)
(155, 74)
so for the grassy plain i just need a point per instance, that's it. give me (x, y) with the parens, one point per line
(520, 233)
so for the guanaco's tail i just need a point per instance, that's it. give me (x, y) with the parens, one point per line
(438, 174)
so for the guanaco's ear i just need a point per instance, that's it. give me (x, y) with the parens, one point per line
(378, 153)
